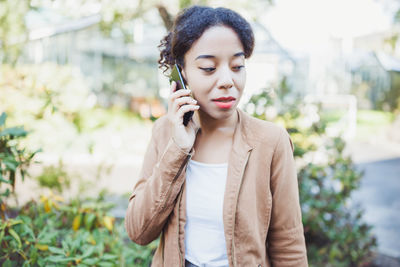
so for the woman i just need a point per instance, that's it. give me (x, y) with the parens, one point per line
(221, 191)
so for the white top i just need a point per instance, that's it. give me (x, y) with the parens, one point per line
(204, 230)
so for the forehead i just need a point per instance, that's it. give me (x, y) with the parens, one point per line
(218, 41)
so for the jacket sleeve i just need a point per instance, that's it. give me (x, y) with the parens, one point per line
(160, 180)
(286, 243)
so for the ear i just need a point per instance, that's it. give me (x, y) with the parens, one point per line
(184, 78)
(183, 74)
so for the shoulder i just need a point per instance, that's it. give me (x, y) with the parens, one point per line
(263, 132)
(161, 131)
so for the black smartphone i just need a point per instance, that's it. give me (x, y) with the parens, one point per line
(176, 76)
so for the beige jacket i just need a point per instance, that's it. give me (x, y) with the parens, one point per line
(261, 211)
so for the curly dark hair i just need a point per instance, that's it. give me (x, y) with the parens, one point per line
(191, 23)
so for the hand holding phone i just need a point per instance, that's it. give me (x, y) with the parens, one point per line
(176, 76)
(181, 107)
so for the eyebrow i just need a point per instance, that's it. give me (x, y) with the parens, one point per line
(211, 56)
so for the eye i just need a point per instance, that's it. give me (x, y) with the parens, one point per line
(238, 67)
(208, 69)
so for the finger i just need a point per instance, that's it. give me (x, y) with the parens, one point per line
(186, 108)
(196, 120)
(193, 124)
(182, 101)
(172, 98)
(179, 93)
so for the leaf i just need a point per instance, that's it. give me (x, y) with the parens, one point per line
(90, 261)
(16, 237)
(7, 263)
(75, 244)
(11, 164)
(89, 219)
(56, 250)
(2, 234)
(5, 181)
(77, 222)
(14, 131)
(109, 257)
(6, 194)
(59, 259)
(65, 245)
(108, 222)
(34, 153)
(91, 240)
(42, 233)
(14, 222)
(21, 252)
(106, 264)
(3, 118)
(42, 247)
(88, 252)
(46, 236)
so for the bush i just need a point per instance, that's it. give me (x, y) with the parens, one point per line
(334, 231)
(54, 177)
(13, 159)
(81, 233)
(51, 232)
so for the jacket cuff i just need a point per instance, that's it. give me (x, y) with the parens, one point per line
(187, 152)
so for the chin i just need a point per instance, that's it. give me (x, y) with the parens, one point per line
(222, 114)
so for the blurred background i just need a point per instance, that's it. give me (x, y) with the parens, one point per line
(80, 89)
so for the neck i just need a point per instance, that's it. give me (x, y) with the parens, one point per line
(211, 125)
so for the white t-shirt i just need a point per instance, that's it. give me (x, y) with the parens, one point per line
(204, 230)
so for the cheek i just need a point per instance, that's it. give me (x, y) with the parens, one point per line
(199, 91)
(241, 80)
(199, 84)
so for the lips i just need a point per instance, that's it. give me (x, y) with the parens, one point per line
(224, 99)
(224, 102)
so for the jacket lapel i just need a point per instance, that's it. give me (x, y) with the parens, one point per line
(238, 158)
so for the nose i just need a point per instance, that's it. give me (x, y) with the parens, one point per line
(225, 79)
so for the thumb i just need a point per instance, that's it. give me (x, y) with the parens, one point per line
(193, 125)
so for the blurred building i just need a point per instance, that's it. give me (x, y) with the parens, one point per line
(271, 63)
(375, 68)
(119, 73)
(126, 73)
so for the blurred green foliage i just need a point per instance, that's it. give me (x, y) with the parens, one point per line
(371, 122)
(54, 177)
(14, 159)
(13, 31)
(56, 99)
(51, 232)
(334, 230)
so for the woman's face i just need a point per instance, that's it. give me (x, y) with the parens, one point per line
(214, 71)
